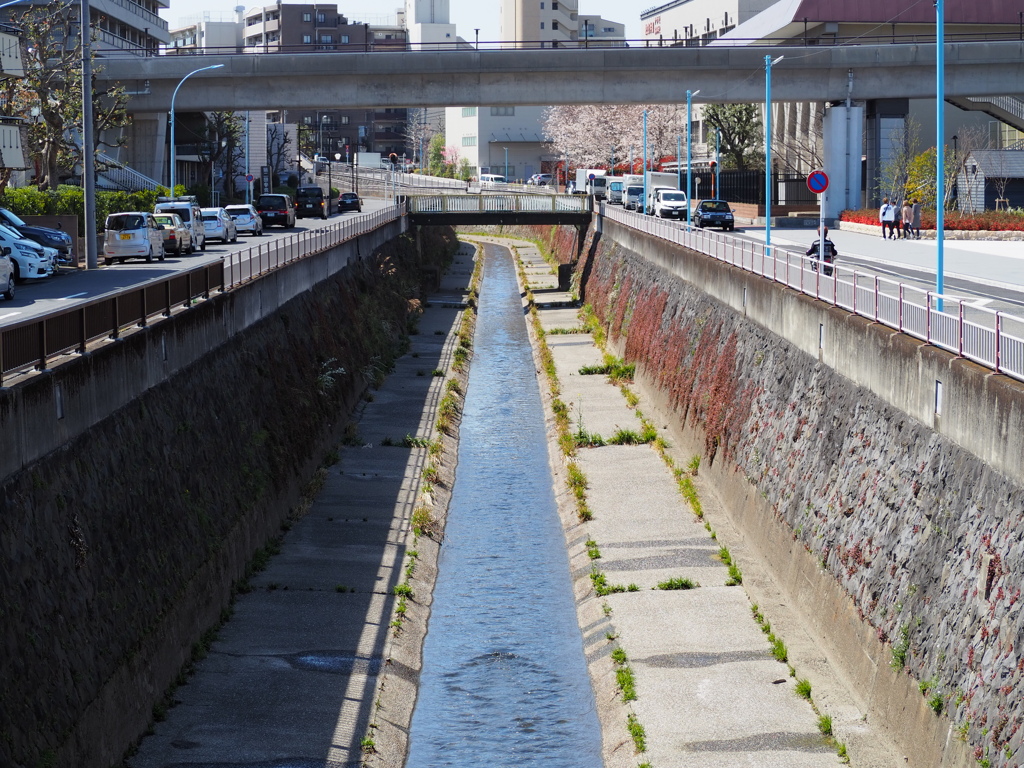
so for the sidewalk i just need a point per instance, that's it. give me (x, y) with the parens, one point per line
(708, 687)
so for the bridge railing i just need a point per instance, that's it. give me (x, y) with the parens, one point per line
(499, 203)
(35, 343)
(988, 337)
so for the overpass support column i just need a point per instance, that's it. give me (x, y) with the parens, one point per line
(842, 130)
(886, 128)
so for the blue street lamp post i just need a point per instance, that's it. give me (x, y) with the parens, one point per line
(768, 62)
(643, 203)
(173, 97)
(940, 146)
(689, 152)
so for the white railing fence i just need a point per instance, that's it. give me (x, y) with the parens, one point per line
(988, 337)
(499, 203)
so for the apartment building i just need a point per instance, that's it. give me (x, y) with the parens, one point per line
(499, 139)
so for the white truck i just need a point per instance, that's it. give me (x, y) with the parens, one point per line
(368, 159)
(656, 180)
(585, 187)
(632, 191)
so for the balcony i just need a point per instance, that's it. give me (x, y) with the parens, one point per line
(11, 64)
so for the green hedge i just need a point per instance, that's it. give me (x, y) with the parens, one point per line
(67, 200)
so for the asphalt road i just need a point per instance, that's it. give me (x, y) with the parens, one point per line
(38, 297)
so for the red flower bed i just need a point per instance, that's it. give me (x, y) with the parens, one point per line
(989, 221)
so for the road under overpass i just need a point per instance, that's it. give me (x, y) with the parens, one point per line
(566, 76)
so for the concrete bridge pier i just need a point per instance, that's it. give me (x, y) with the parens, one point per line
(842, 130)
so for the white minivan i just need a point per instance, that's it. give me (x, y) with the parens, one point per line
(490, 179)
(132, 235)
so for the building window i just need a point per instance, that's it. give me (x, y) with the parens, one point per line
(503, 111)
(320, 17)
(344, 39)
(344, 119)
(554, 6)
(469, 111)
(469, 141)
(326, 38)
(542, 25)
(554, 25)
(542, 6)
(307, 39)
(307, 17)
(307, 120)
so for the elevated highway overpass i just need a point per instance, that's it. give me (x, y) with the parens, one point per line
(566, 76)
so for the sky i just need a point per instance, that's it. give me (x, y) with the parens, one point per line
(465, 14)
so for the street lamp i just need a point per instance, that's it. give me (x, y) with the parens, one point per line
(940, 145)
(689, 150)
(173, 97)
(768, 62)
(506, 164)
(320, 141)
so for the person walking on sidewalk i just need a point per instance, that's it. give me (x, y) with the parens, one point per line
(887, 215)
(908, 220)
(915, 218)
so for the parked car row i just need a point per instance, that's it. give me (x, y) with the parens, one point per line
(31, 252)
(180, 226)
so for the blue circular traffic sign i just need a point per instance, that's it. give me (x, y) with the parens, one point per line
(249, 177)
(592, 176)
(817, 182)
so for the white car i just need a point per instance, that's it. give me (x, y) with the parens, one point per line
(6, 273)
(219, 224)
(29, 259)
(670, 204)
(247, 219)
(132, 235)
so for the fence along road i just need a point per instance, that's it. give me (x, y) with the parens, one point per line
(35, 343)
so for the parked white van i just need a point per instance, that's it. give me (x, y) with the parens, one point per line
(490, 179)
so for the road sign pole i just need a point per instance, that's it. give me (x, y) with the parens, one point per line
(817, 182)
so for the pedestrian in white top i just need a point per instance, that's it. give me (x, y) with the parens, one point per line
(887, 215)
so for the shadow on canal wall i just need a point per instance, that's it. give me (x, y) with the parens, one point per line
(124, 547)
(893, 526)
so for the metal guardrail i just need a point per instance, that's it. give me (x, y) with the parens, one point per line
(500, 203)
(33, 344)
(249, 263)
(988, 337)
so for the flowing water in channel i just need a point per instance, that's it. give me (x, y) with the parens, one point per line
(504, 679)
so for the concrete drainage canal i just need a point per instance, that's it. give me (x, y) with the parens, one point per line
(504, 678)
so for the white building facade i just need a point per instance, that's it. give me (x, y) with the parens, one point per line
(493, 138)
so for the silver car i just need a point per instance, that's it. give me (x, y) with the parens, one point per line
(132, 235)
(247, 219)
(219, 224)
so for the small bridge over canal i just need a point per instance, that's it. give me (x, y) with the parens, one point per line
(502, 208)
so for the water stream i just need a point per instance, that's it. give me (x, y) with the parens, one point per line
(504, 680)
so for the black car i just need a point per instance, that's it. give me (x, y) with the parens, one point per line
(713, 213)
(276, 209)
(52, 238)
(349, 201)
(310, 201)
